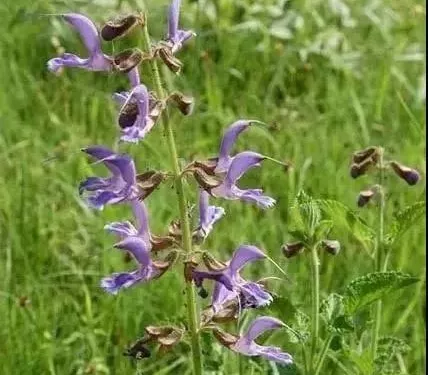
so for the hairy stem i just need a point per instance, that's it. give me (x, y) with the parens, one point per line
(182, 204)
(379, 252)
(315, 292)
(323, 354)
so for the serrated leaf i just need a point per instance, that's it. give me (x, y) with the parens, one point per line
(305, 212)
(346, 217)
(386, 358)
(366, 289)
(362, 361)
(404, 220)
(333, 312)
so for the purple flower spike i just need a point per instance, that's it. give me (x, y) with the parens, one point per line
(176, 36)
(228, 189)
(247, 346)
(208, 215)
(119, 187)
(229, 283)
(97, 60)
(147, 271)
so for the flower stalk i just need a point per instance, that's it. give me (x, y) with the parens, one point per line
(184, 217)
(379, 250)
(315, 293)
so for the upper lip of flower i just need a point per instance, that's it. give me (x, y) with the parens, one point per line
(175, 35)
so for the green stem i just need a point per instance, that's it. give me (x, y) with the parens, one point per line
(323, 354)
(182, 204)
(315, 292)
(379, 253)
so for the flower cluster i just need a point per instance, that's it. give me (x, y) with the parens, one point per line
(217, 177)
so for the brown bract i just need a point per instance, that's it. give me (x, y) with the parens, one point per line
(121, 26)
(226, 339)
(149, 181)
(128, 59)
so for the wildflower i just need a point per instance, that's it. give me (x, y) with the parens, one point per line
(148, 269)
(411, 176)
(229, 283)
(126, 229)
(245, 344)
(208, 215)
(97, 60)
(219, 175)
(365, 196)
(174, 40)
(138, 114)
(176, 37)
(120, 187)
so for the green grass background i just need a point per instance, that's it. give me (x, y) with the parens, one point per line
(361, 84)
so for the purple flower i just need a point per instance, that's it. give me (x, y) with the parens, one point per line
(126, 229)
(229, 283)
(219, 175)
(208, 215)
(247, 346)
(148, 269)
(97, 60)
(119, 187)
(228, 189)
(138, 114)
(176, 37)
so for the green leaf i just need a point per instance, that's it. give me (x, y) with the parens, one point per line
(386, 358)
(404, 220)
(343, 216)
(333, 312)
(362, 361)
(366, 289)
(305, 213)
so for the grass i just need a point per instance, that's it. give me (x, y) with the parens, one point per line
(359, 86)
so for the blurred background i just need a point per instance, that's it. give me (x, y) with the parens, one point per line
(329, 77)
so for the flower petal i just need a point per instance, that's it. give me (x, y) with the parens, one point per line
(243, 255)
(139, 248)
(256, 196)
(220, 295)
(241, 163)
(116, 281)
(94, 183)
(229, 139)
(140, 213)
(122, 229)
(119, 165)
(261, 325)
(208, 215)
(253, 295)
(102, 198)
(87, 30)
(68, 60)
(273, 353)
(173, 16)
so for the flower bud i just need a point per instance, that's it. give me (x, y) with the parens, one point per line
(166, 336)
(164, 265)
(184, 103)
(226, 339)
(121, 26)
(360, 169)
(161, 242)
(189, 266)
(148, 181)
(138, 349)
(211, 263)
(128, 59)
(368, 153)
(206, 181)
(331, 246)
(202, 292)
(169, 59)
(411, 176)
(365, 196)
(292, 249)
